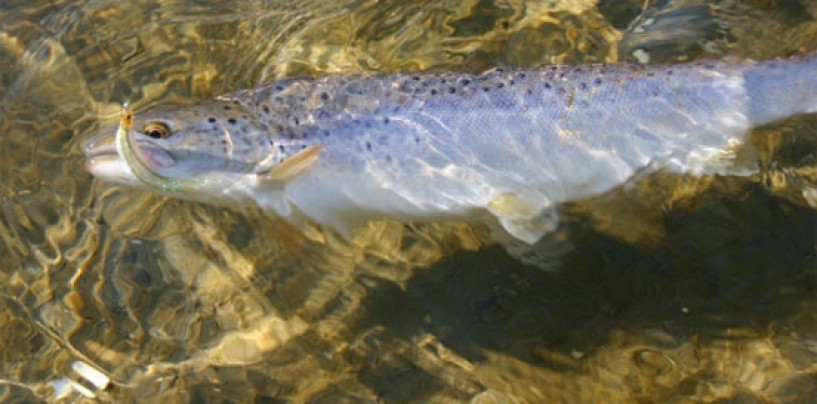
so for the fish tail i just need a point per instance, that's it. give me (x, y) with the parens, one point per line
(782, 87)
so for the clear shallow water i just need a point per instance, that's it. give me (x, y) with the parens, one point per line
(671, 289)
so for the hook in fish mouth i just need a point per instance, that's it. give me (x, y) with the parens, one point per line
(103, 161)
(143, 163)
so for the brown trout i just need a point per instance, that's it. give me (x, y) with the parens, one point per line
(502, 147)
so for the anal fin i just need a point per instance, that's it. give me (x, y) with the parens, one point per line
(525, 215)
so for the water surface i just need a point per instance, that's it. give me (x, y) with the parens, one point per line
(671, 289)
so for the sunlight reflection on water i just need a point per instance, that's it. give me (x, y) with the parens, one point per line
(673, 290)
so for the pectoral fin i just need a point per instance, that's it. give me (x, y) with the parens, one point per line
(292, 165)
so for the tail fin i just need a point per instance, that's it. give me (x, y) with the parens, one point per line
(781, 88)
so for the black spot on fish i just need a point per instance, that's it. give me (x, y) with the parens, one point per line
(231, 121)
(442, 81)
(368, 146)
(452, 90)
(433, 92)
(597, 81)
(511, 82)
(416, 78)
(266, 109)
(547, 86)
(211, 120)
(465, 82)
(582, 86)
(279, 88)
(669, 72)
(500, 85)
(236, 102)
(325, 133)
(296, 120)
(324, 96)
(529, 91)
(281, 148)
(486, 89)
(386, 121)
(227, 107)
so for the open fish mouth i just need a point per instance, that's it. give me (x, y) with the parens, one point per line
(103, 161)
(101, 144)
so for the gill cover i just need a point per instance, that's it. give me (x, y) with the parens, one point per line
(138, 168)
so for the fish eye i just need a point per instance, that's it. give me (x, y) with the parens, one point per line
(157, 130)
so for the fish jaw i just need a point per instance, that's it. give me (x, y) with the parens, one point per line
(103, 161)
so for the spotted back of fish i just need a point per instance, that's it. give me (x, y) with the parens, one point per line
(569, 131)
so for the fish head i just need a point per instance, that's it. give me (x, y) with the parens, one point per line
(198, 149)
